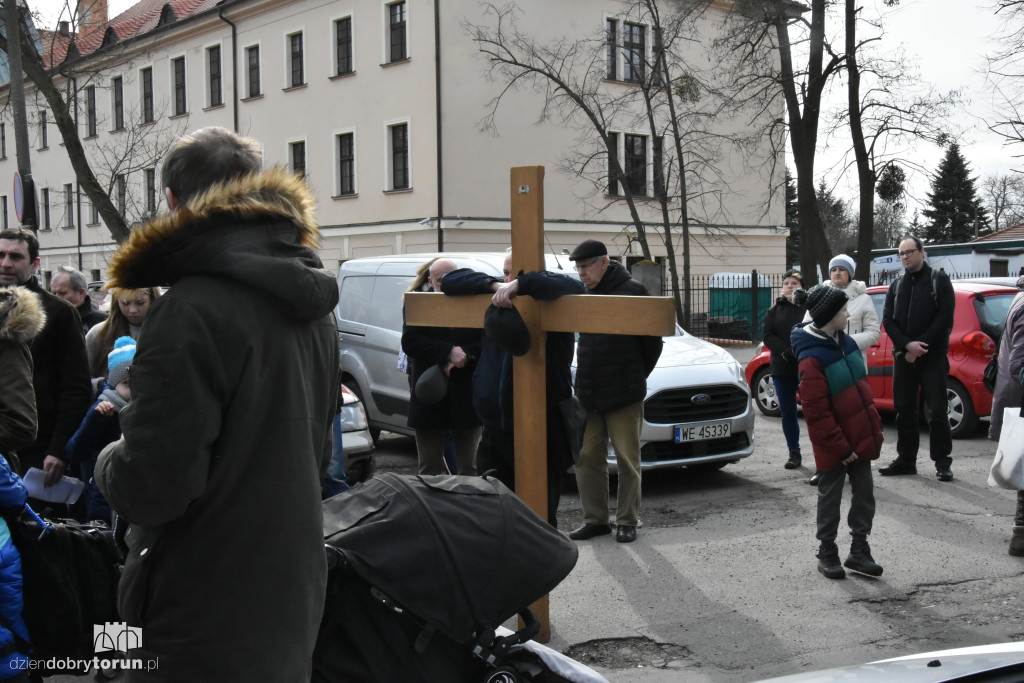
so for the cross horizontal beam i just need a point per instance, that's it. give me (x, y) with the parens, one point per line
(647, 315)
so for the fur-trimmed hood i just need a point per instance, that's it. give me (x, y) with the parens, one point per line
(258, 230)
(21, 315)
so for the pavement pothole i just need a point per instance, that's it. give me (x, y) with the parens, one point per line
(630, 653)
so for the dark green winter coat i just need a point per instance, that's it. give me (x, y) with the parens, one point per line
(234, 387)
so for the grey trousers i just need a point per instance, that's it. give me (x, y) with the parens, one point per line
(622, 427)
(830, 496)
(430, 449)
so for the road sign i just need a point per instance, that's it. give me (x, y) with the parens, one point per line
(19, 195)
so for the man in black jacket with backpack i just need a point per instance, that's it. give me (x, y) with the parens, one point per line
(918, 318)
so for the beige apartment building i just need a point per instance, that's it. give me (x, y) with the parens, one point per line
(380, 104)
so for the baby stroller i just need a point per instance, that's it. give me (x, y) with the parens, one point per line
(424, 570)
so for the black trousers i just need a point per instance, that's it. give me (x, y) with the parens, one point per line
(497, 452)
(830, 498)
(928, 375)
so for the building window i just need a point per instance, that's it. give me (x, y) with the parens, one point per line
(146, 79)
(118, 87)
(3, 140)
(297, 76)
(399, 140)
(613, 155)
(635, 158)
(657, 144)
(3, 215)
(94, 219)
(69, 205)
(611, 53)
(633, 52)
(151, 191)
(42, 130)
(252, 66)
(90, 111)
(45, 201)
(346, 164)
(178, 70)
(297, 157)
(122, 194)
(213, 76)
(396, 32)
(343, 46)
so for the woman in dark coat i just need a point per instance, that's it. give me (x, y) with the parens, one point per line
(778, 324)
(456, 351)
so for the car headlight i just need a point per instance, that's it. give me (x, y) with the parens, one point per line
(353, 417)
(737, 373)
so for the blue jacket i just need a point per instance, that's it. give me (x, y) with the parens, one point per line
(492, 381)
(93, 435)
(12, 496)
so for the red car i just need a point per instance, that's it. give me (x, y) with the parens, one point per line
(977, 324)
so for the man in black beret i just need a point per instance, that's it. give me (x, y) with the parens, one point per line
(611, 383)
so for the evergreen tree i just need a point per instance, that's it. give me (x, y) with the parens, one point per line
(792, 222)
(954, 208)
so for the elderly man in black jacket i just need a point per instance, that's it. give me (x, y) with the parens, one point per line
(918, 318)
(611, 383)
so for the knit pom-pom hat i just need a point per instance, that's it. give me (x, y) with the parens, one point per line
(119, 360)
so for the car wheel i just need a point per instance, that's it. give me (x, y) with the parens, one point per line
(764, 393)
(354, 388)
(360, 470)
(960, 409)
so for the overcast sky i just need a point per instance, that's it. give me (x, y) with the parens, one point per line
(947, 38)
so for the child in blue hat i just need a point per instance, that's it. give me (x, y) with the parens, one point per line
(101, 425)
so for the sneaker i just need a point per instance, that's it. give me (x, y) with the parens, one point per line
(830, 567)
(860, 561)
(794, 460)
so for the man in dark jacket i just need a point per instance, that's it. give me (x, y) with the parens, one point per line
(69, 284)
(60, 374)
(234, 387)
(918, 318)
(611, 383)
(492, 381)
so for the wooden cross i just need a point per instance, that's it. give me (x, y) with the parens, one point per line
(573, 313)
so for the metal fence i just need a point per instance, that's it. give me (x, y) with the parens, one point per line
(731, 306)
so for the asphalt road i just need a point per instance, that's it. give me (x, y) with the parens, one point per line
(722, 583)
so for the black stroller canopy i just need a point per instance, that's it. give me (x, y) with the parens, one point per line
(463, 553)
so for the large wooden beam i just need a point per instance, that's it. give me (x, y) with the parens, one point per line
(575, 313)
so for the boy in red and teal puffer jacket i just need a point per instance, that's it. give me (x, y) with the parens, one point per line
(843, 425)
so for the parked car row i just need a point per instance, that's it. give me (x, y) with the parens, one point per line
(981, 309)
(697, 412)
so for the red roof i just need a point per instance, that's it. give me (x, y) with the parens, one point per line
(137, 20)
(1014, 232)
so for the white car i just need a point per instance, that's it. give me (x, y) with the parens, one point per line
(697, 412)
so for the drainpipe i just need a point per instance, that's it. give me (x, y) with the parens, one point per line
(234, 65)
(437, 113)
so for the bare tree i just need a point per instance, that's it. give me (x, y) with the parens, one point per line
(894, 110)
(757, 32)
(661, 95)
(60, 86)
(1006, 73)
(1003, 195)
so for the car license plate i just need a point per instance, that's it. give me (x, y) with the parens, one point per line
(713, 430)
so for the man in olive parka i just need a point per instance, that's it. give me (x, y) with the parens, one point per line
(234, 387)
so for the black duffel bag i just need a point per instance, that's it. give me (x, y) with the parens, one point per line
(70, 573)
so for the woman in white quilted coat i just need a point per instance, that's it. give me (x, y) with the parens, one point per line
(863, 327)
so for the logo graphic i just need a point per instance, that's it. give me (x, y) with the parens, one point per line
(117, 636)
(700, 399)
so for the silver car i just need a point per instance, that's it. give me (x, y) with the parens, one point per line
(697, 412)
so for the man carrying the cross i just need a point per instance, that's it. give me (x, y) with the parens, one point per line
(492, 380)
(611, 383)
